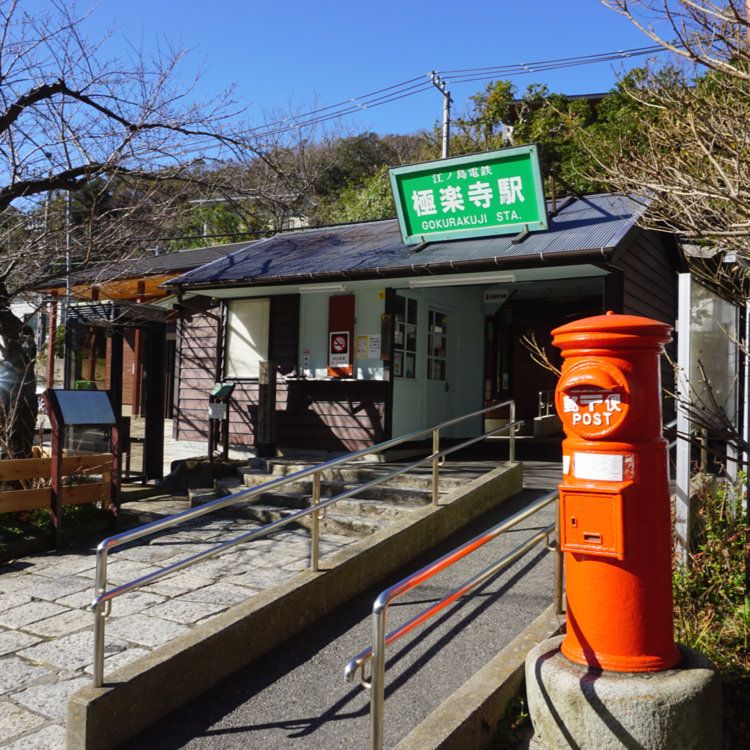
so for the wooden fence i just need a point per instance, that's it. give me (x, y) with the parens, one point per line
(29, 471)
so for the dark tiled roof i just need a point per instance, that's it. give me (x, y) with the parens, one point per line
(181, 260)
(151, 265)
(594, 224)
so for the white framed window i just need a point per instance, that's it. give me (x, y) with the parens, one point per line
(437, 343)
(247, 337)
(405, 338)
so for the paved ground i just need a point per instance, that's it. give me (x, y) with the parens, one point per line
(46, 643)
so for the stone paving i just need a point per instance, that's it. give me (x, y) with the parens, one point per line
(46, 632)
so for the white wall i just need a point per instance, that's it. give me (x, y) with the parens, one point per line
(368, 309)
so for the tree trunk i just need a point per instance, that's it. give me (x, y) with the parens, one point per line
(18, 400)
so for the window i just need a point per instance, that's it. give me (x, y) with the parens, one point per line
(405, 338)
(247, 337)
(437, 342)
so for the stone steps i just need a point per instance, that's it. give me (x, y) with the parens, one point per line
(353, 474)
(358, 515)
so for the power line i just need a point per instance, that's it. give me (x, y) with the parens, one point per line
(419, 84)
(412, 87)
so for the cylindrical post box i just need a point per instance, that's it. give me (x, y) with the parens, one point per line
(614, 497)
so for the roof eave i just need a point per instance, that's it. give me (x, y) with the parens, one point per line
(446, 268)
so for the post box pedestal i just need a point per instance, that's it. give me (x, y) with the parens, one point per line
(575, 706)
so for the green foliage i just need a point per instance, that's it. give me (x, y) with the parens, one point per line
(59, 341)
(499, 118)
(372, 200)
(513, 725)
(712, 609)
(492, 109)
(210, 219)
(34, 522)
(355, 161)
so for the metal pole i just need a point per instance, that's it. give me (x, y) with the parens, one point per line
(315, 531)
(446, 124)
(99, 617)
(684, 427)
(440, 86)
(377, 682)
(66, 303)
(512, 436)
(435, 465)
(558, 562)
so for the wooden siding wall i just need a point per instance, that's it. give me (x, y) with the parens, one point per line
(650, 289)
(128, 363)
(335, 416)
(344, 415)
(197, 346)
(650, 278)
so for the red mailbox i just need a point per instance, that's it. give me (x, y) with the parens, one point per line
(614, 497)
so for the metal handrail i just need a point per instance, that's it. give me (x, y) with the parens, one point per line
(546, 403)
(101, 606)
(376, 653)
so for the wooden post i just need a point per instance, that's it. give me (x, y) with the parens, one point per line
(115, 474)
(265, 440)
(56, 454)
(138, 360)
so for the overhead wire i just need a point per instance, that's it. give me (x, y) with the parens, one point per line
(419, 84)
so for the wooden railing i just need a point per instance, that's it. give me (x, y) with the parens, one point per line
(34, 471)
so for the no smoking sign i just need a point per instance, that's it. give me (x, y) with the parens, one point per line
(338, 348)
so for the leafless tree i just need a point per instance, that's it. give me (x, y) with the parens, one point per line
(683, 152)
(681, 149)
(119, 135)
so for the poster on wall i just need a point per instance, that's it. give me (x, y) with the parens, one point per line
(375, 347)
(368, 347)
(363, 347)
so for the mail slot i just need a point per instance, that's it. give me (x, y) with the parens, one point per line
(614, 497)
(592, 522)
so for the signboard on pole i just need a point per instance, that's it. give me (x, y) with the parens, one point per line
(495, 192)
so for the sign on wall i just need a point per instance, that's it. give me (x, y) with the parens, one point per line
(496, 192)
(340, 336)
(338, 348)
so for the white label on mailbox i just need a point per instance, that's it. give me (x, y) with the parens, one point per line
(604, 467)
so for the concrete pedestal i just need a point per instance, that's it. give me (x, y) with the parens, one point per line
(573, 706)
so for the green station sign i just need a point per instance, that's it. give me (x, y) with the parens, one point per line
(495, 192)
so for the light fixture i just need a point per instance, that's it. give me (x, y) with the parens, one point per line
(321, 288)
(449, 280)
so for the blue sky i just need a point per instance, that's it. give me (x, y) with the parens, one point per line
(307, 54)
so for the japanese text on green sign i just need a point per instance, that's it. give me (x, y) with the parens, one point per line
(497, 192)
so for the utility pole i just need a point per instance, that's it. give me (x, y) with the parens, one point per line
(66, 303)
(439, 84)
